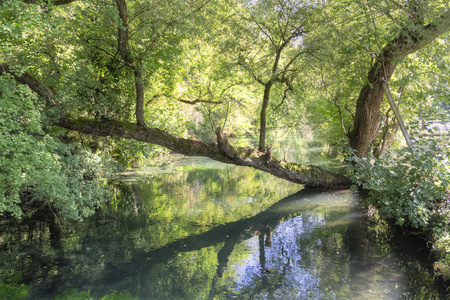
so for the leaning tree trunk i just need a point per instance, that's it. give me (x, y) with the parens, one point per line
(413, 37)
(310, 176)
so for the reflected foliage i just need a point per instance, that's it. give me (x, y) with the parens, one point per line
(210, 231)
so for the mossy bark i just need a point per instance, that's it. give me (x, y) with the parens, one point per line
(310, 176)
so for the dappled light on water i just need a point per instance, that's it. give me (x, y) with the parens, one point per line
(309, 255)
(197, 230)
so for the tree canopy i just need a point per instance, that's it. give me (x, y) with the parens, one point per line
(187, 75)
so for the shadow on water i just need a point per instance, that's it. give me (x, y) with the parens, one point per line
(229, 235)
(215, 233)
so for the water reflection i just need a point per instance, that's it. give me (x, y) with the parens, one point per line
(210, 232)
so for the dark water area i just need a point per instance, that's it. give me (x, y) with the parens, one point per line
(190, 228)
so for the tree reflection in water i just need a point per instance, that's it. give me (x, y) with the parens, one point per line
(212, 233)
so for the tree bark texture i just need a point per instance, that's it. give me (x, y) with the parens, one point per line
(310, 176)
(263, 116)
(54, 2)
(123, 35)
(135, 65)
(367, 115)
(140, 92)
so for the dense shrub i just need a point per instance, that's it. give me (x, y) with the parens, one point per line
(411, 187)
(406, 184)
(34, 163)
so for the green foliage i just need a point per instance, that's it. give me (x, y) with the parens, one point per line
(442, 247)
(13, 292)
(73, 294)
(35, 165)
(411, 187)
(133, 153)
(212, 51)
(406, 184)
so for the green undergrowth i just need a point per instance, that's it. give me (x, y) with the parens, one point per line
(72, 294)
(37, 168)
(410, 186)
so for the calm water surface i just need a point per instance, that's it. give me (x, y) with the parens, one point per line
(191, 228)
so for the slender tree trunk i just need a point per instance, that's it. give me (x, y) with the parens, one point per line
(389, 133)
(134, 64)
(122, 37)
(263, 115)
(138, 79)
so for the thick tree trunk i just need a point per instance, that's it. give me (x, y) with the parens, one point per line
(310, 176)
(412, 37)
(263, 115)
(367, 116)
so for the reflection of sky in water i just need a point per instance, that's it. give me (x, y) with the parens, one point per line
(247, 270)
(315, 255)
(284, 258)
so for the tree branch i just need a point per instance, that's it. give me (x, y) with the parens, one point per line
(267, 34)
(198, 101)
(335, 100)
(54, 2)
(284, 98)
(310, 176)
(192, 102)
(252, 74)
(33, 83)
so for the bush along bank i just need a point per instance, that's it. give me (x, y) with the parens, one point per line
(410, 186)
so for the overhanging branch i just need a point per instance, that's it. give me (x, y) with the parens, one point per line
(54, 2)
(310, 176)
(186, 101)
(33, 83)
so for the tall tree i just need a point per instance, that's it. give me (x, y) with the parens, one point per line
(277, 31)
(123, 45)
(421, 23)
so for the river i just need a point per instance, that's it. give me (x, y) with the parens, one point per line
(191, 228)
